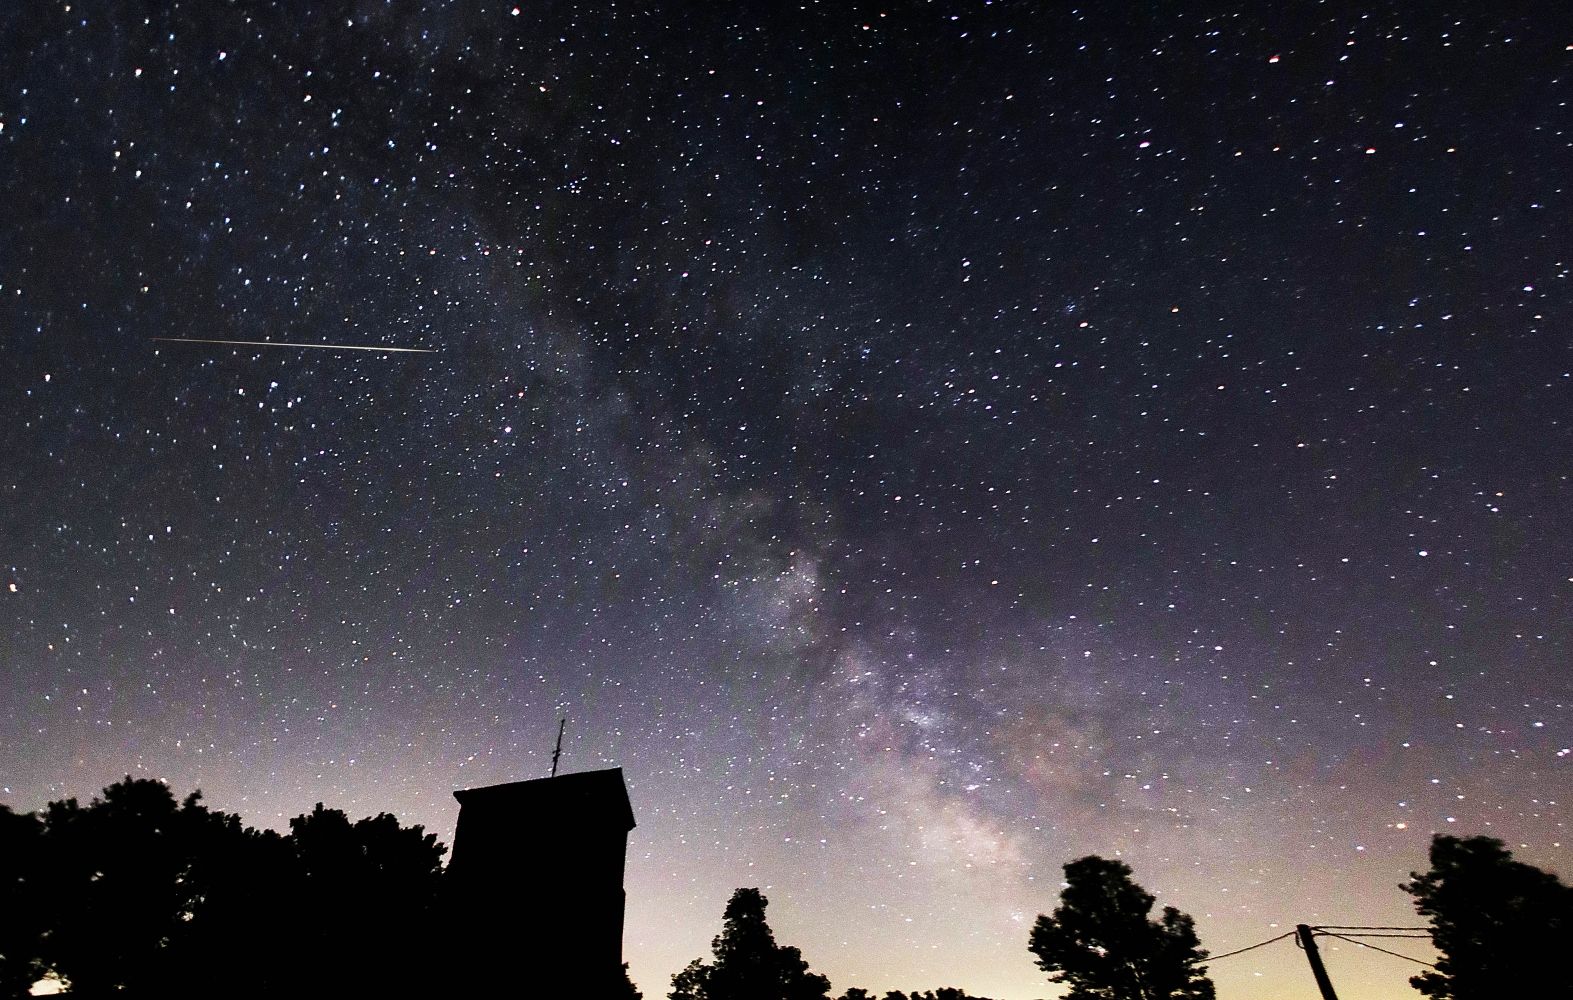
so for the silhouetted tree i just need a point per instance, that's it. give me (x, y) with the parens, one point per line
(22, 903)
(749, 965)
(1499, 923)
(134, 895)
(627, 990)
(1101, 943)
(124, 878)
(365, 897)
(242, 933)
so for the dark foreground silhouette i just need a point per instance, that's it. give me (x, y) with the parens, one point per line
(1495, 920)
(1101, 943)
(747, 964)
(537, 876)
(138, 895)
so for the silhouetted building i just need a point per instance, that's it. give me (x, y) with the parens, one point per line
(536, 885)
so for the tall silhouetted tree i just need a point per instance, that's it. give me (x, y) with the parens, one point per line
(22, 903)
(137, 895)
(124, 880)
(749, 965)
(242, 933)
(1101, 943)
(626, 990)
(365, 897)
(1498, 923)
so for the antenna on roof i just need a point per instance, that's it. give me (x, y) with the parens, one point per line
(557, 754)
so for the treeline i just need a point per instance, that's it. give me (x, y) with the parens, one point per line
(748, 964)
(1099, 941)
(138, 895)
(1494, 920)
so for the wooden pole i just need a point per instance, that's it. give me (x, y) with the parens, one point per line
(558, 753)
(1308, 942)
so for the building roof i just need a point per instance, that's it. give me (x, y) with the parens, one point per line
(595, 796)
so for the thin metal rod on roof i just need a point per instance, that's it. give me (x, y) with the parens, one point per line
(557, 753)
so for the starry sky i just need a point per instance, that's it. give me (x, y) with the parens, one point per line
(920, 444)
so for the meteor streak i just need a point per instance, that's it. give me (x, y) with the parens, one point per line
(283, 343)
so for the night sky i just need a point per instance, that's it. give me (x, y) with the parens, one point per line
(921, 445)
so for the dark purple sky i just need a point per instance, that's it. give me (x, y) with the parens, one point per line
(920, 445)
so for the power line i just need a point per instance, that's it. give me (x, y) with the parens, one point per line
(1328, 930)
(1241, 951)
(1407, 958)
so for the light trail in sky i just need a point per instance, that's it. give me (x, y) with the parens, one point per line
(281, 343)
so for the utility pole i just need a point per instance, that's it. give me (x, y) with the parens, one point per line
(557, 754)
(1308, 942)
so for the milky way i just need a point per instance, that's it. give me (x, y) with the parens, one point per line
(920, 445)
